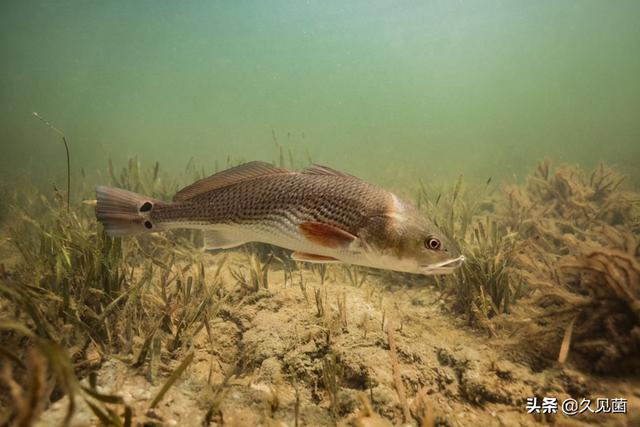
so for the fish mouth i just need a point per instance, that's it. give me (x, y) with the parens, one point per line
(444, 267)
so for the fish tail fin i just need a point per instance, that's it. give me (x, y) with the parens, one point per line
(123, 212)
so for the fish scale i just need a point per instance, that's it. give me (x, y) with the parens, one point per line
(307, 197)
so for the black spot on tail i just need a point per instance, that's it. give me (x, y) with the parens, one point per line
(148, 224)
(146, 207)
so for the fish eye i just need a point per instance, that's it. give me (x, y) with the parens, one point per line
(432, 243)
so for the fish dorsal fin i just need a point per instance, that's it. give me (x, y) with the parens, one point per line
(325, 170)
(228, 177)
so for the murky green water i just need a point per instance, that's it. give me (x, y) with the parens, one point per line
(544, 306)
(383, 89)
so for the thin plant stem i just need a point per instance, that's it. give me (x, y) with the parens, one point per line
(66, 148)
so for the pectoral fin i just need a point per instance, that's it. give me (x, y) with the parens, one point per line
(320, 259)
(326, 235)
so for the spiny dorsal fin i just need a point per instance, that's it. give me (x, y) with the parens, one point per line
(225, 178)
(325, 170)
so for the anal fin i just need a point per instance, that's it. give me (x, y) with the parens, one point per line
(220, 239)
(320, 259)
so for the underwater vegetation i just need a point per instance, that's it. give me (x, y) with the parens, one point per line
(581, 249)
(557, 258)
(568, 242)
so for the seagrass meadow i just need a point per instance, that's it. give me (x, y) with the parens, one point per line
(510, 125)
(153, 330)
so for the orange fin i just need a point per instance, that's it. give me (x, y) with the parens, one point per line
(228, 177)
(304, 256)
(326, 235)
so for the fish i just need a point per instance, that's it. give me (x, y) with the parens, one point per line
(320, 214)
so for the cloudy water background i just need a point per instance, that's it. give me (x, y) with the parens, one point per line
(387, 90)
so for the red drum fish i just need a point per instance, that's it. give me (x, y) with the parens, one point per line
(321, 214)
